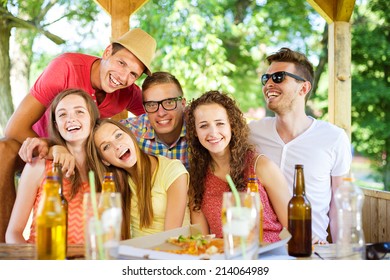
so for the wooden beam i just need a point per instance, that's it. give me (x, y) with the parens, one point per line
(120, 18)
(120, 12)
(334, 10)
(344, 10)
(104, 4)
(324, 8)
(339, 95)
(109, 5)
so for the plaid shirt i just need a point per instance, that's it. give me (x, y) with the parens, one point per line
(150, 144)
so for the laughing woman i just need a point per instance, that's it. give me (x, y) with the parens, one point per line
(155, 185)
(72, 116)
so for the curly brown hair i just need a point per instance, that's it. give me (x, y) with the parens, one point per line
(200, 159)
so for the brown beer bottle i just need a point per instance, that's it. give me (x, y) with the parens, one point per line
(57, 171)
(252, 186)
(299, 218)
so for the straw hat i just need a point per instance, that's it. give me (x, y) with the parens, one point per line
(141, 44)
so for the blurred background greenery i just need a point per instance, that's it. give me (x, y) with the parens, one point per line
(216, 44)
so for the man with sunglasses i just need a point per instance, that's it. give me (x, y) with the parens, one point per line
(292, 137)
(161, 130)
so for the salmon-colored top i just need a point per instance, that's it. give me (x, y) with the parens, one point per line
(212, 205)
(75, 210)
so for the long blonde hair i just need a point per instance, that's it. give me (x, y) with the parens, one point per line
(142, 178)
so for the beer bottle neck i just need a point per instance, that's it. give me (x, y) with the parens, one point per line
(108, 184)
(252, 185)
(299, 187)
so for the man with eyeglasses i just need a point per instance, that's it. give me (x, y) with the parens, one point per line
(292, 137)
(161, 130)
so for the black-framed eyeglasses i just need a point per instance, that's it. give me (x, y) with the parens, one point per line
(279, 77)
(168, 104)
(377, 251)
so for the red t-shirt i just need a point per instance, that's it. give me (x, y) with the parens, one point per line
(73, 70)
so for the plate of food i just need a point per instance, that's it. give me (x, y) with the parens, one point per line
(195, 244)
(183, 243)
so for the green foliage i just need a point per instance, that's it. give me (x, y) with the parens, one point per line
(221, 44)
(32, 18)
(371, 84)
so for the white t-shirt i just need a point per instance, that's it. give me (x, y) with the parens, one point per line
(324, 150)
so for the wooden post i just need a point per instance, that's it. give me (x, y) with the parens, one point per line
(120, 12)
(120, 24)
(339, 98)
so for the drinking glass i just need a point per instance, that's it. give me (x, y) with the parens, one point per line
(240, 222)
(102, 235)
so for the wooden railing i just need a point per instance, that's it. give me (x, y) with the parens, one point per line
(376, 216)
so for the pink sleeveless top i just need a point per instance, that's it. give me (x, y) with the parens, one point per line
(75, 210)
(212, 206)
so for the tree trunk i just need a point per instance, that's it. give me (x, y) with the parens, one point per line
(5, 85)
(21, 57)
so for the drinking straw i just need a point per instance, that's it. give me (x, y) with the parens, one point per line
(98, 228)
(234, 190)
(238, 203)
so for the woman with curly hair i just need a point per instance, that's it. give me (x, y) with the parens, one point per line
(218, 140)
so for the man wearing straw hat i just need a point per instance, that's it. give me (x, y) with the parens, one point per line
(110, 82)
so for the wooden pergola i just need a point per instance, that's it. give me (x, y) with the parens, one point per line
(337, 14)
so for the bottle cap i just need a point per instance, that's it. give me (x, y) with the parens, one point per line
(349, 179)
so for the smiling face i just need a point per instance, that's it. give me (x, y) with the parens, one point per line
(213, 128)
(119, 70)
(73, 120)
(285, 96)
(115, 146)
(167, 124)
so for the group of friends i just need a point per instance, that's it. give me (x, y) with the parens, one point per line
(171, 159)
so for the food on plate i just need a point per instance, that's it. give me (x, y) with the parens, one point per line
(197, 244)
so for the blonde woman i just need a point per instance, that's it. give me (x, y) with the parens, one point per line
(155, 187)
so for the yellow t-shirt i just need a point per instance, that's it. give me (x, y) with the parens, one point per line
(168, 171)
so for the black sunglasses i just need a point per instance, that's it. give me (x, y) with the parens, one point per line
(377, 251)
(279, 77)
